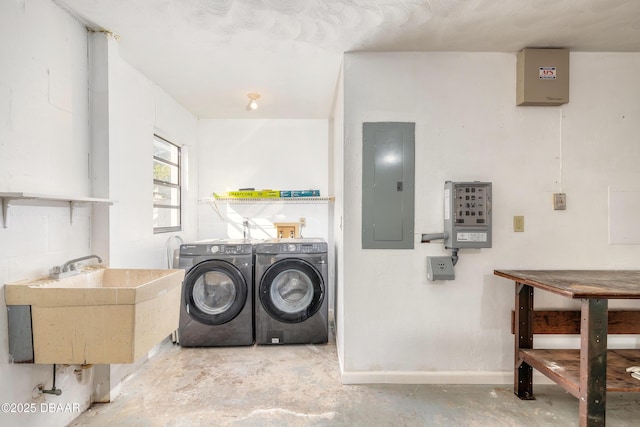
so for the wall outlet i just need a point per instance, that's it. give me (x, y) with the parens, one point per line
(440, 268)
(559, 201)
(303, 221)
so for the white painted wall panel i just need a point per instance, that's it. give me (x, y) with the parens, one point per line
(336, 167)
(469, 128)
(44, 148)
(43, 84)
(263, 154)
(624, 205)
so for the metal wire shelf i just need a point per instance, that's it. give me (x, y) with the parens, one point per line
(252, 200)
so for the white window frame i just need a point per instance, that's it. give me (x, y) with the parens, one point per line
(171, 186)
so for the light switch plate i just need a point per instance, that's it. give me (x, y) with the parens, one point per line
(518, 223)
(559, 201)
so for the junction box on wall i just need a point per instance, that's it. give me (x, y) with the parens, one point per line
(542, 77)
(467, 224)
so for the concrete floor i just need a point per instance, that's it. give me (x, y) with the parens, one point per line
(300, 386)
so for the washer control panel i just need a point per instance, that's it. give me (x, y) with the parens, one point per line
(231, 249)
(215, 249)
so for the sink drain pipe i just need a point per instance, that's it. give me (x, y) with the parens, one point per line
(53, 390)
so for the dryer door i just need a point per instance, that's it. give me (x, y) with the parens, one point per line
(214, 292)
(291, 290)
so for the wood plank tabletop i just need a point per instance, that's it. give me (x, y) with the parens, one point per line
(614, 284)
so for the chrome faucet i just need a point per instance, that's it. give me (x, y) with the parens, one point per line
(245, 228)
(70, 265)
(69, 268)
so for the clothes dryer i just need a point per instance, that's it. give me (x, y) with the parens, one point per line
(217, 294)
(291, 291)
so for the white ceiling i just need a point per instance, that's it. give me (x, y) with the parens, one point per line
(208, 54)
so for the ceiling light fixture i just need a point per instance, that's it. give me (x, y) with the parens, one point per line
(253, 104)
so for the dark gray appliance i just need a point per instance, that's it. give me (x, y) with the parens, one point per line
(217, 304)
(291, 291)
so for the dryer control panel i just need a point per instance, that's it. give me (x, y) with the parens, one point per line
(467, 214)
(304, 248)
(292, 246)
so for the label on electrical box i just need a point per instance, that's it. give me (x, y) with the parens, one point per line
(471, 237)
(547, 73)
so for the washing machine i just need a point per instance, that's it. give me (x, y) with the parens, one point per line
(217, 294)
(291, 291)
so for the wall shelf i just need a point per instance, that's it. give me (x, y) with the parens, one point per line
(252, 200)
(9, 199)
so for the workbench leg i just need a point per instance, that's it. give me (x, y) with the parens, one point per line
(593, 362)
(523, 329)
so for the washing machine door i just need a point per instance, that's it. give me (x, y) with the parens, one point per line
(291, 290)
(214, 292)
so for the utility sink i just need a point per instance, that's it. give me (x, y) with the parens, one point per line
(99, 316)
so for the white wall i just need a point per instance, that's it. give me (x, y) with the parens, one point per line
(45, 148)
(142, 109)
(262, 154)
(399, 327)
(337, 172)
(130, 110)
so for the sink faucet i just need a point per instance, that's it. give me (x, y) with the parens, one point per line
(69, 265)
(245, 228)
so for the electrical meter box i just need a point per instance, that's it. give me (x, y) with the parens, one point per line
(467, 214)
(542, 77)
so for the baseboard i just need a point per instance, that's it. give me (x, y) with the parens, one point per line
(435, 377)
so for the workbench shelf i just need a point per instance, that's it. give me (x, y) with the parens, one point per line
(8, 199)
(563, 368)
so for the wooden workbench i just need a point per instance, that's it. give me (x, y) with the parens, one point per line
(591, 371)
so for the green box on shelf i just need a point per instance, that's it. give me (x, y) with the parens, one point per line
(305, 193)
(300, 193)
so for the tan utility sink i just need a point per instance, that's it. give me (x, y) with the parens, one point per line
(99, 316)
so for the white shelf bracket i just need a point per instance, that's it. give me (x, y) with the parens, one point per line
(72, 208)
(5, 212)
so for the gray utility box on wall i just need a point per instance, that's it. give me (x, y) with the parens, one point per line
(542, 77)
(467, 214)
(388, 167)
(440, 268)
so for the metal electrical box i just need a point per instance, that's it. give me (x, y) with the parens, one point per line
(440, 268)
(388, 185)
(542, 77)
(467, 214)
